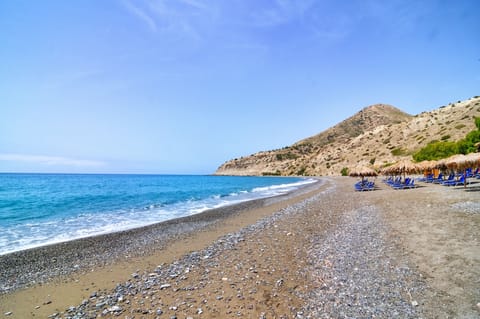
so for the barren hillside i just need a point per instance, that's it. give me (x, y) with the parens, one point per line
(378, 134)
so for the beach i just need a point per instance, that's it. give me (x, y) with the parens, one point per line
(324, 251)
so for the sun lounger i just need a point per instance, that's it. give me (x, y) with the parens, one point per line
(450, 179)
(409, 183)
(460, 181)
(426, 179)
(365, 186)
(438, 180)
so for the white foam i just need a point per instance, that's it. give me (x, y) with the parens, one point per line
(87, 224)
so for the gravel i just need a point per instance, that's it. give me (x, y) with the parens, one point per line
(356, 274)
(336, 257)
(467, 207)
(40, 265)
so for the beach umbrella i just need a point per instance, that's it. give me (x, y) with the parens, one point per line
(427, 165)
(388, 170)
(403, 166)
(362, 171)
(456, 161)
(462, 162)
(441, 164)
(472, 159)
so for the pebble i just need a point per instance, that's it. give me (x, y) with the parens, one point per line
(115, 309)
(359, 280)
(354, 262)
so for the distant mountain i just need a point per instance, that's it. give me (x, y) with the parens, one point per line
(378, 134)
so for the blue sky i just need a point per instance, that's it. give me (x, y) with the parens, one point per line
(158, 86)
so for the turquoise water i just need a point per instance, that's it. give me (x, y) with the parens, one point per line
(40, 209)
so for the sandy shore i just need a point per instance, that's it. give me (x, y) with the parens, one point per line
(326, 252)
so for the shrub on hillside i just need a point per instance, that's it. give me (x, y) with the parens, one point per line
(398, 151)
(436, 150)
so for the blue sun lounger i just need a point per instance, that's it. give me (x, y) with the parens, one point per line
(365, 186)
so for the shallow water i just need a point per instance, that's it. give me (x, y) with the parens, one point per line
(41, 209)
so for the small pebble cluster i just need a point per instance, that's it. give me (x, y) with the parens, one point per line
(356, 275)
(467, 207)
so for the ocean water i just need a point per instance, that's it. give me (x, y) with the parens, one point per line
(41, 209)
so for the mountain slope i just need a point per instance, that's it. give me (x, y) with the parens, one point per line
(378, 134)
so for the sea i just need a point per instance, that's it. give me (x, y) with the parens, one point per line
(43, 209)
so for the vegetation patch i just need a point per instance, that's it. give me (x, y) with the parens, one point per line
(441, 149)
(445, 137)
(286, 156)
(302, 171)
(398, 151)
(276, 173)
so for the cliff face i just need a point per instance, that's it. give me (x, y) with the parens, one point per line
(378, 134)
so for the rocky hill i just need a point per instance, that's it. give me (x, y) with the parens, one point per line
(378, 134)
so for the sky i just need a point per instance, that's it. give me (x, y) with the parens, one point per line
(181, 86)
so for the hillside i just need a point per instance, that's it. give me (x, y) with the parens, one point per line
(378, 134)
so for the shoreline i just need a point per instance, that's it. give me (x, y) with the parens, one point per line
(81, 253)
(325, 252)
(135, 217)
(39, 271)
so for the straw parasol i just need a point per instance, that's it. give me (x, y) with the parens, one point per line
(457, 161)
(462, 162)
(402, 167)
(362, 171)
(441, 164)
(427, 165)
(472, 159)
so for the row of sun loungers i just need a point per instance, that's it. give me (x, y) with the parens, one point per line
(398, 184)
(408, 183)
(364, 185)
(452, 180)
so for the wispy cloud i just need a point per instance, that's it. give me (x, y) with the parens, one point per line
(51, 160)
(197, 4)
(180, 17)
(141, 14)
(281, 12)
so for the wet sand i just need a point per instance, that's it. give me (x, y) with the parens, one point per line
(328, 252)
